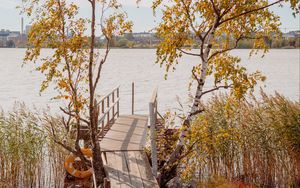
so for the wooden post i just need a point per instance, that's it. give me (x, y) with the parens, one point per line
(132, 98)
(113, 108)
(118, 107)
(106, 183)
(153, 116)
(102, 131)
(108, 119)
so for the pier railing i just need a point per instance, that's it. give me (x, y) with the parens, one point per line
(110, 109)
(153, 118)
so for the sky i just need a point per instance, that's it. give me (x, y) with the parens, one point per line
(141, 15)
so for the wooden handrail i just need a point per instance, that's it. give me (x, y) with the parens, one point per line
(153, 119)
(108, 94)
(111, 102)
(107, 110)
(154, 96)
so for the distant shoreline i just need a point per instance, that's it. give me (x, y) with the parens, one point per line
(283, 48)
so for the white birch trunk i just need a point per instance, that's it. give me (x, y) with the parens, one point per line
(176, 153)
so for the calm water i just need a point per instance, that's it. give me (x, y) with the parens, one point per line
(137, 65)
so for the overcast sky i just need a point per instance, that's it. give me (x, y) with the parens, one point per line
(141, 16)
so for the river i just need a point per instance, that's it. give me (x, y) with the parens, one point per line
(125, 66)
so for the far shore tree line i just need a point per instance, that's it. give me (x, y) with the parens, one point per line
(129, 41)
(125, 42)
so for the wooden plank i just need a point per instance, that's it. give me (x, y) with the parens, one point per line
(128, 133)
(148, 179)
(133, 169)
(129, 169)
(121, 165)
(110, 166)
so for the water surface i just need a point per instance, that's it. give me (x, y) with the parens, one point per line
(124, 66)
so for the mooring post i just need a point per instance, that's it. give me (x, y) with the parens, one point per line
(132, 98)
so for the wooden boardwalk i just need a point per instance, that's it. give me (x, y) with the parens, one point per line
(122, 140)
(128, 133)
(129, 169)
(124, 159)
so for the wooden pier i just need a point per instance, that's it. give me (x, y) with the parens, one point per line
(122, 140)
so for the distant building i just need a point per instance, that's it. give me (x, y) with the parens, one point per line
(288, 35)
(9, 38)
(27, 29)
(14, 34)
(3, 37)
(143, 35)
(291, 34)
(4, 34)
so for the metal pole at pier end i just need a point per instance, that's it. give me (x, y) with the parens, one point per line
(132, 98)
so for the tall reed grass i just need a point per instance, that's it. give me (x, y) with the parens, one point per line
(28, 156)
(254, 141)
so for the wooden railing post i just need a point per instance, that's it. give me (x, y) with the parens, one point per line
(113, 101)
(153, 117)
(108, 109)
(118, 107)
(108, 119)
(102, 125)
(132, 98)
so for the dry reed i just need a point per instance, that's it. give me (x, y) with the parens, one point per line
(28, 156)
(254, 141)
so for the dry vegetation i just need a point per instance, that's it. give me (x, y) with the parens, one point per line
(253, 141)
(28, 156)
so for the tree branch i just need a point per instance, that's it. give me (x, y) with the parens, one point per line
(197, 112)
(194, 74)
(250, 11)
(101, 63)
(234, 47)
(187, 11)
(215, 8)
(216, 88)
(107, 48)
(188, 53)
(74, 115)
(226, 11)
(59, 142)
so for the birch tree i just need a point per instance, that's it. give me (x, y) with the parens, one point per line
(74, 67)
(216, 28)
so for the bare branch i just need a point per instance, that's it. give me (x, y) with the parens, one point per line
(197, 112)
(74, 115)
(70, 149)
(101, 63)
(103, 9)
(188, 53)
(216, 88)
